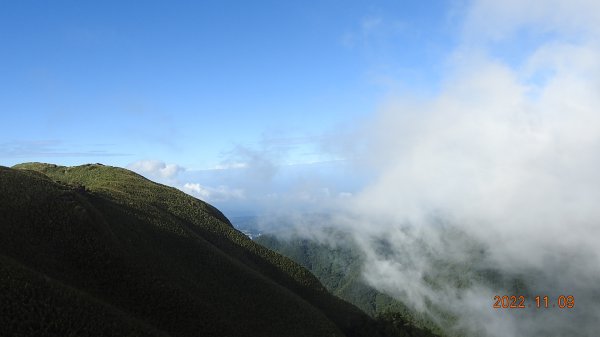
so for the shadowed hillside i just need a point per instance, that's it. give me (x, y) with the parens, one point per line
(340, 269)
(97, 250)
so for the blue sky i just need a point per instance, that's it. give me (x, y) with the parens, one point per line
(187, 82)
(260, 104)
(213, 93)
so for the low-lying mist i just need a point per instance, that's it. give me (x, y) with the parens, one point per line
(490, 186)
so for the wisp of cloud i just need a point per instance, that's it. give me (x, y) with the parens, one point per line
(492, 186)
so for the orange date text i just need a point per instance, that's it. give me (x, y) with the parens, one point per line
(539, 302)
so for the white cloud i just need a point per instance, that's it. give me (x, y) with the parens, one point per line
(495, 20)
(255, 181)
(504, 161)
(259, 166)
(196, 189)
(229, 166)
(156, 169)
(213, 194)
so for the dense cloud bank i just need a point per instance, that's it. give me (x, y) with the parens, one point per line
(492, 186)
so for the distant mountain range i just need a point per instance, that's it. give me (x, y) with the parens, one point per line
(95, 250)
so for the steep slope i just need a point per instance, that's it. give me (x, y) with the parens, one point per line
(97, 250)
(339, 268)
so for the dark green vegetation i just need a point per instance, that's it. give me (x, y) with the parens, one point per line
(339, 268)
(338, 265)
(101, 251)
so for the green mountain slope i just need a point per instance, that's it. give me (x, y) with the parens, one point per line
(339, 268)
(101, 251)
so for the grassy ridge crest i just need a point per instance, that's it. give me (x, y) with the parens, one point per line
(140, 258)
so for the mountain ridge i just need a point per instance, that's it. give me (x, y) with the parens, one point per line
(98, 250)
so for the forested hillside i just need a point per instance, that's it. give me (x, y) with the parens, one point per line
(101, 251)
(339, 268)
